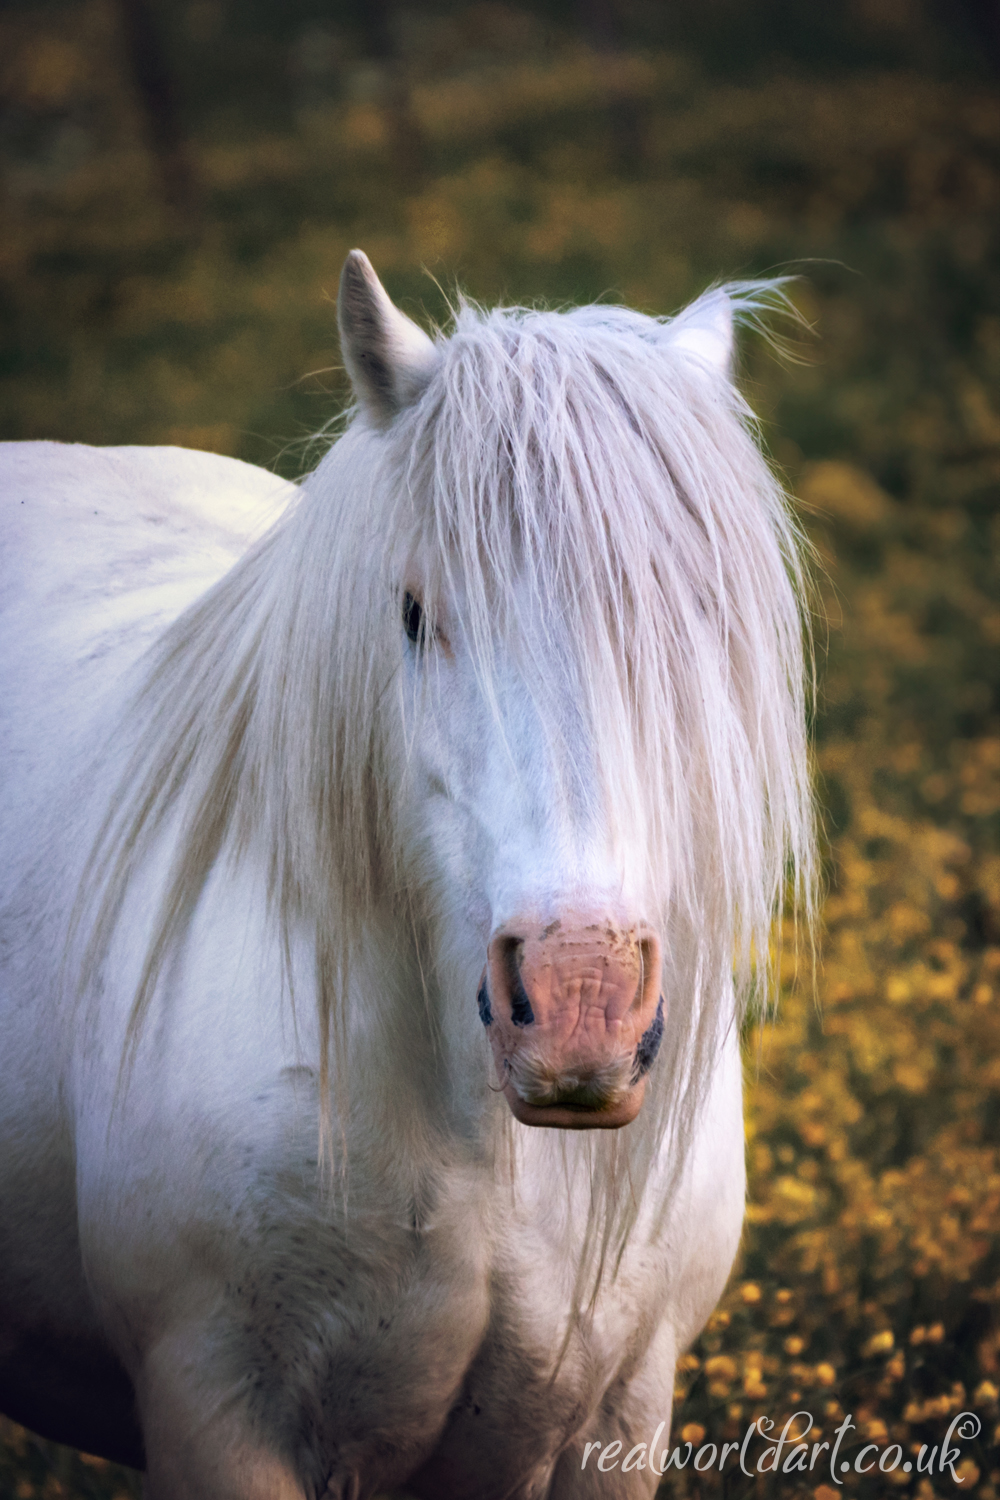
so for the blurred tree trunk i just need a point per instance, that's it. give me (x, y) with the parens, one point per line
(600, 24)
(158, 99)
(405, 136)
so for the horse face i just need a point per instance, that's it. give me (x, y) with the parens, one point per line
(569, 992)
(517, 841)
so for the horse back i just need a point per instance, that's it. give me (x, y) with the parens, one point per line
(102, 549)
(121, 537)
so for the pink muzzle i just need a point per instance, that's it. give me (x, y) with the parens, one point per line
(575, 1018)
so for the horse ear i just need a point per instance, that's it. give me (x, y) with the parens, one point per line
(705, 330)
(389, 359)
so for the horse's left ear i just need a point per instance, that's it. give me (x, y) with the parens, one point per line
(389, 359)
(705, 330)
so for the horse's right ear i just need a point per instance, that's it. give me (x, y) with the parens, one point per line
(389, 359)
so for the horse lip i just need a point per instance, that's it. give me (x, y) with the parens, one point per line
(577, 1116)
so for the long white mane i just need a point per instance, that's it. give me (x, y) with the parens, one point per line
(578, 467)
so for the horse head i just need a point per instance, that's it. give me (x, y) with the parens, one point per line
(538, 701)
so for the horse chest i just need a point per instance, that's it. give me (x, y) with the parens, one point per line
(389, 1352)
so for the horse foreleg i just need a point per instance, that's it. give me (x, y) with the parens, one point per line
(631, 1421)
(198, 1446)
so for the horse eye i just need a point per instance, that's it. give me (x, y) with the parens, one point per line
(413, 618)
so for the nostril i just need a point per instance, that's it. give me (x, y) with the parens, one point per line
(521, 1012)
(649, 1045)
(483, 1001)
(649, 970)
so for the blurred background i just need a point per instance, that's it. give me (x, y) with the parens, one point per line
(180, 184)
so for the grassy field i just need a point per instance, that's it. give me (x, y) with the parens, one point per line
(186, 299)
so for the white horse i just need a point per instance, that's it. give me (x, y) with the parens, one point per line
(352, 831)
